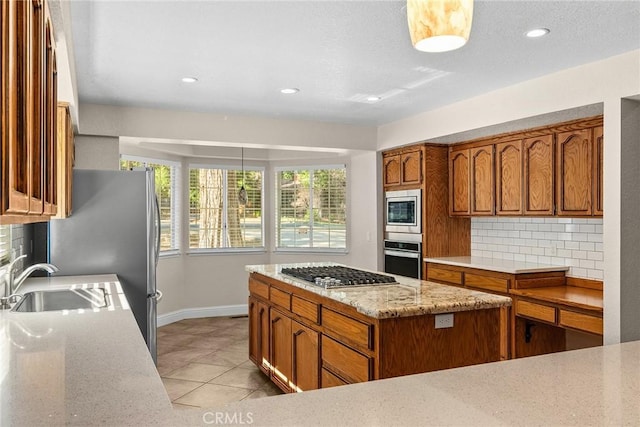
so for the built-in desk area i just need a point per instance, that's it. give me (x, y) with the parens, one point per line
(546, 303)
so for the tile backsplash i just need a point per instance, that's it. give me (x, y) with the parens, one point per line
(575, 242)
(11, 241)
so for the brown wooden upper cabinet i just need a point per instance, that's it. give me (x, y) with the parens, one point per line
(509, 173)
(552, 170)
(402, 168)
(459, 202)
(574, 172)
(65, 160)
(598, 184)
(538, 175)
(482, 184)
(28, 105)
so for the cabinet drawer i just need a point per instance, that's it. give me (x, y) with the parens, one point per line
(443, 275)
(281, 298)
(305, 308)
(580, 321)
(536, 311)
(330, 380)
(259, 288)
(345, 362)
(354, 330)
(483, 282)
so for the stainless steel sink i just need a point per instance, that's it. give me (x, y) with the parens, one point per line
(65, 299)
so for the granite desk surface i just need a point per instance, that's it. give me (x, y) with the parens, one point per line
(407, 297)
(499, 265)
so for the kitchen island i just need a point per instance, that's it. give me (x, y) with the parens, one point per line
(307, 337)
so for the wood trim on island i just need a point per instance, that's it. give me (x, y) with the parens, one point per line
(345, 346)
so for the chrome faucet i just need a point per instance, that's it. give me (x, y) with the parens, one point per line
(12, 283)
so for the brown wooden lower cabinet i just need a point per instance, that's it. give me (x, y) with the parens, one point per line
(330, 380)
(321, 343)
(280, 349)
(306, 356)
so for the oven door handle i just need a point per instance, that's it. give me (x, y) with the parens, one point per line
(414, 255)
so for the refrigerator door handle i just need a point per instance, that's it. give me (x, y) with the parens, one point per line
(157, 230)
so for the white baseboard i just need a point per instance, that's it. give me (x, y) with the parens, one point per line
(194, 313)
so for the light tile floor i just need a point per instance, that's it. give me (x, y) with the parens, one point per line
(205, 363)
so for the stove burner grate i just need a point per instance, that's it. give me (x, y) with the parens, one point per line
(334, 276)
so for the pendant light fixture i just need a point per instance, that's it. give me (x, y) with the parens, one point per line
(242, 194)
(439, 25)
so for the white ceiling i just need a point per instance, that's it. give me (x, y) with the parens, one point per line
(134, 53)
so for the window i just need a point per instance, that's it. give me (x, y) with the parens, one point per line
(5, 244)
(166, 175)
(216, 219)
(311, 208)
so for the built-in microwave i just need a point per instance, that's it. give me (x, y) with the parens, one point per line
(403, 211)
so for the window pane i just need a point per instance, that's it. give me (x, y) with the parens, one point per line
(217, 220)
(165, 182)
(311, 208)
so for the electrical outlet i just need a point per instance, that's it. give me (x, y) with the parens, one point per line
(444, 320)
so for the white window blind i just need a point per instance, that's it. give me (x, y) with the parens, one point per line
(166, 177)
(217, 221)
(311, 208)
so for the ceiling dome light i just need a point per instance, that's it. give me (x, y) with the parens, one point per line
(439, 25)
(537, 32)
(373, 98)
(189, 79)
(289, 90)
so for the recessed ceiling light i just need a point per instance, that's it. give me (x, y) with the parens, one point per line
(289, 90)
(189, 79)
(373, 98)
(537, 32)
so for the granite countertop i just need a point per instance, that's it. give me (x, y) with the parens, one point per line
(499, 265)
(596, 386)
(78, 367)
(410, 297)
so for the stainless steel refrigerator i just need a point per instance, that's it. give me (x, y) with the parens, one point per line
(114, 228)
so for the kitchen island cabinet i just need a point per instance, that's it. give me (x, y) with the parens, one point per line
(321, 338)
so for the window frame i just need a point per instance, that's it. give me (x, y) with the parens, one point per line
(276, 211)
(226, 249)
(176, 196)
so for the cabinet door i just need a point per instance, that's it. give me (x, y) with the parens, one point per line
(306, 358)
(598, 183)
(35, 118)
(459, 183)
(280, 348)
(509, 178)
(538, 175)
(259, 334)
(254, 327)
(391, 170)
(411, 167)
(15, 40)
(482, 186)
(574, 172)
(64, 161)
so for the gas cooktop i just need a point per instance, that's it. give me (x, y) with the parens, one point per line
(336, 276)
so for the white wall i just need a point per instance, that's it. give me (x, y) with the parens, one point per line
(241, 130)
(607, 81)
(96, 152)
